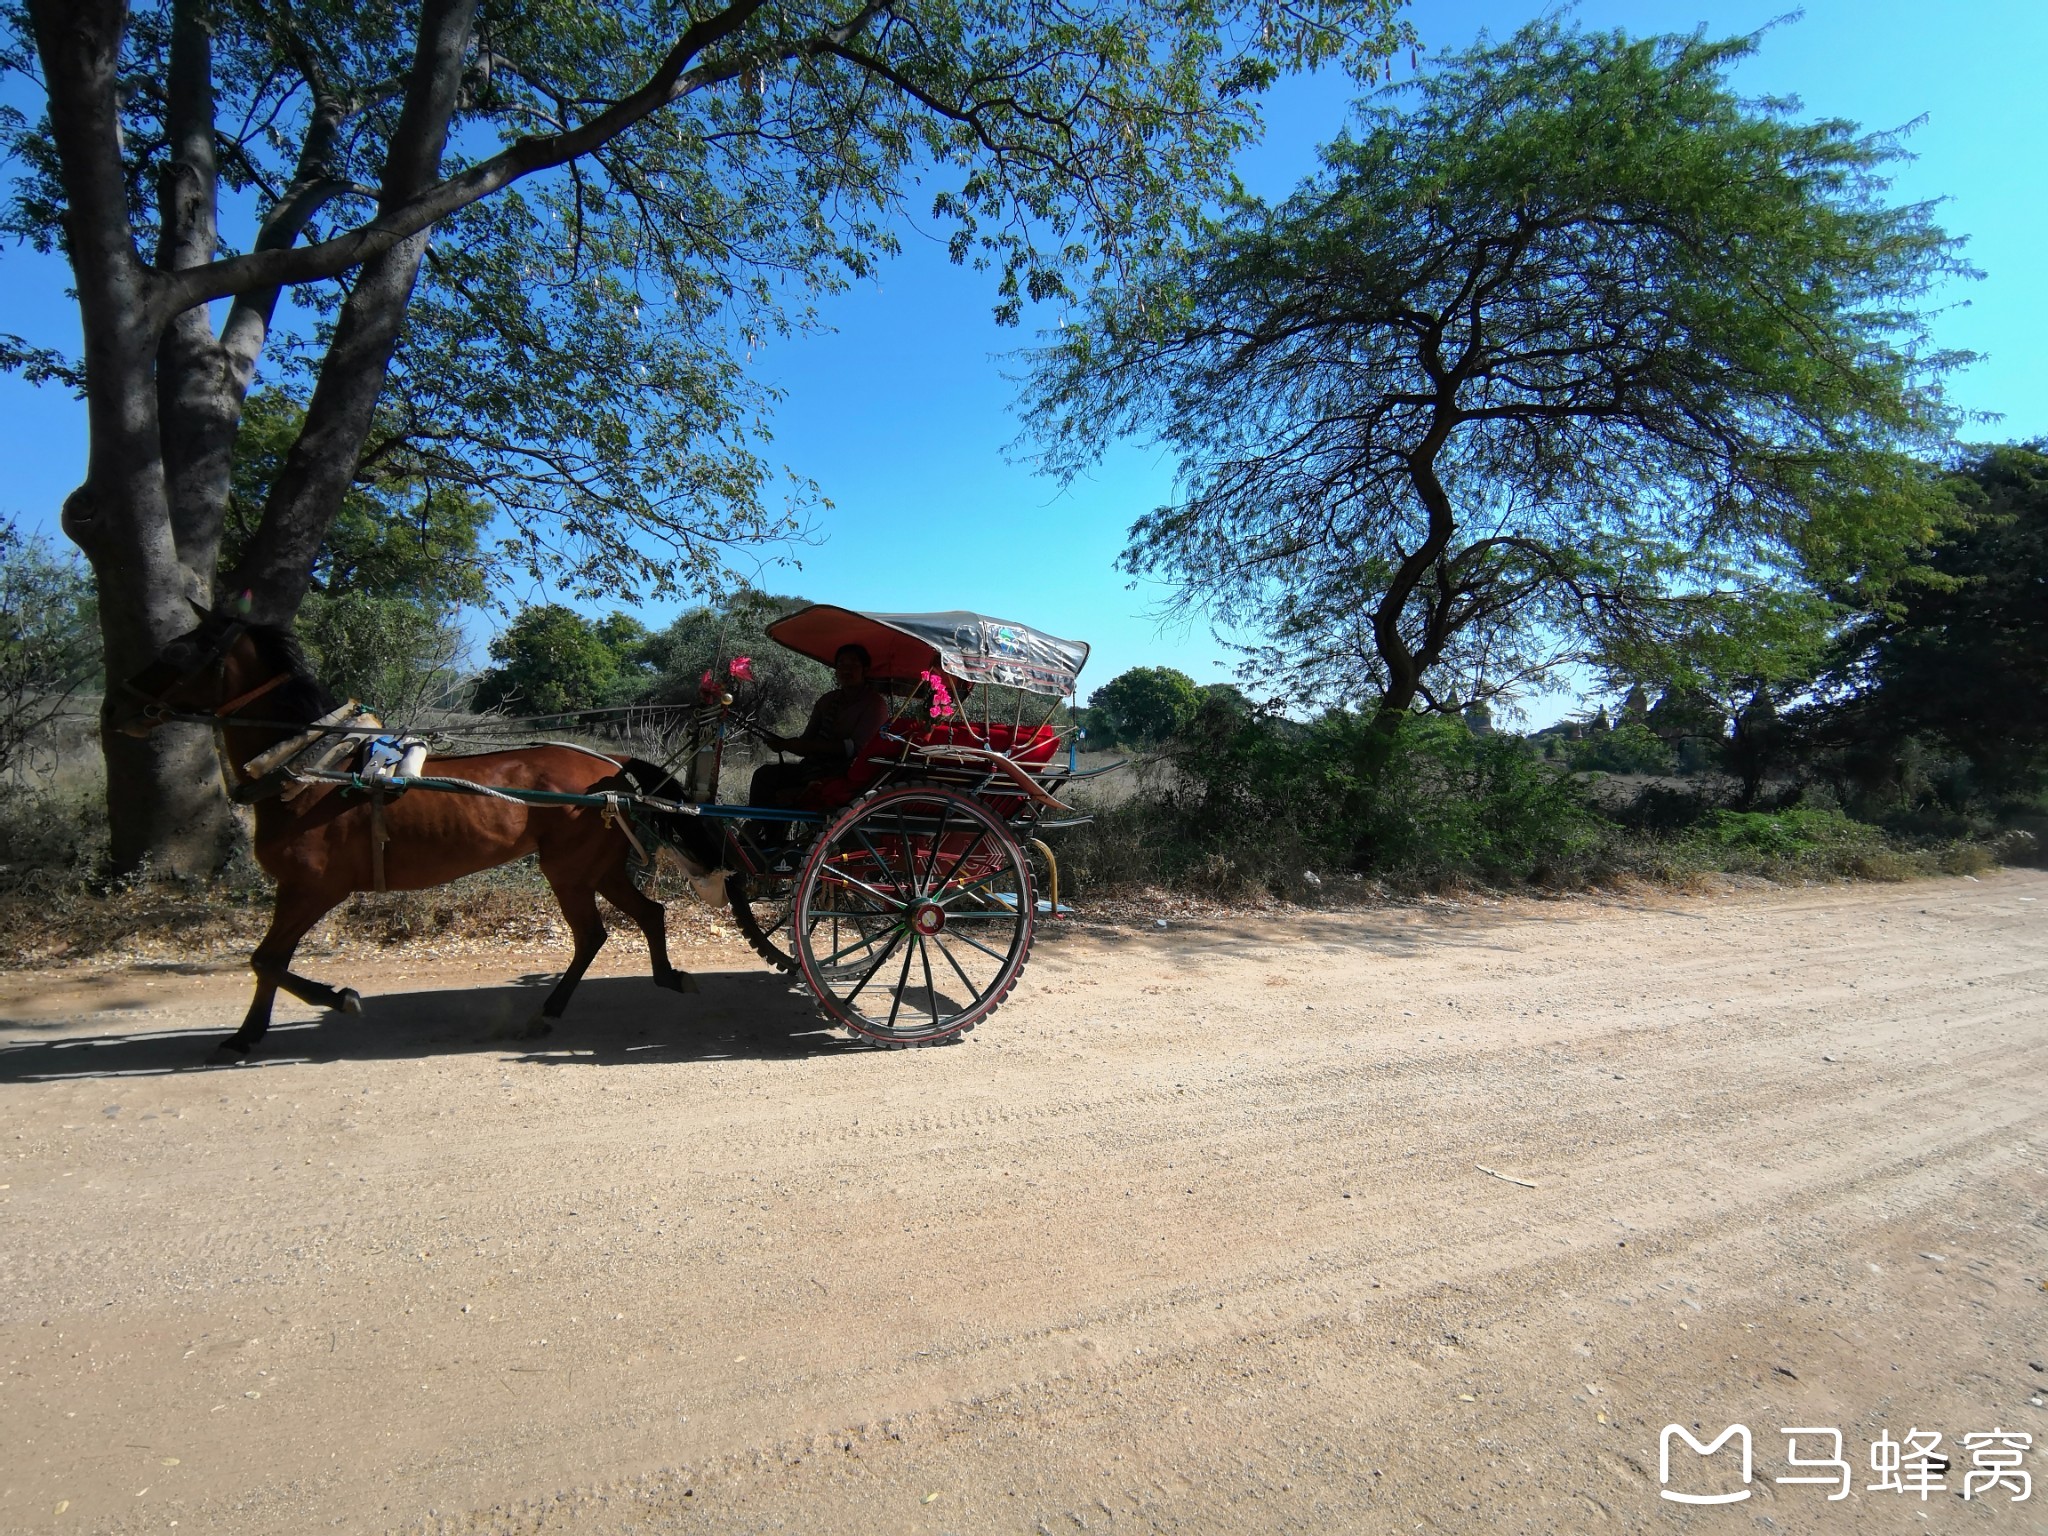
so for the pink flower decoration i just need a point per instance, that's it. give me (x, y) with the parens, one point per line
(742, 669)
(942, 697)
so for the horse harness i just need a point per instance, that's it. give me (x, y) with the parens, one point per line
(281, 771)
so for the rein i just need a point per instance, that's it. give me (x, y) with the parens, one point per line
(155, 709)
(245, 699)
(186, 717)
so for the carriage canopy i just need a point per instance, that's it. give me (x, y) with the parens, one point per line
(969, 647)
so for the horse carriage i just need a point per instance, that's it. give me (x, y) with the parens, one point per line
(903, 888)
(908, 905)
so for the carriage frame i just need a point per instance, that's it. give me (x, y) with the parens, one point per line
(908, 905)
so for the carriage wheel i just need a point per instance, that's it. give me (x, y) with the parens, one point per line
(913, 916)
(760, 910)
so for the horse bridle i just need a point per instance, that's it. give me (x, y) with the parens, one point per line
(156, 708)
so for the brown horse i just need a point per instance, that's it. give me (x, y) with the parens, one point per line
(317, 846)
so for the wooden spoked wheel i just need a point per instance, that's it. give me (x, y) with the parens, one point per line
(913, 916)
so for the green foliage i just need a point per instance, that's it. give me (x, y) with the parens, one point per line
(1577, 353)
(1630, 747)
(1144, 706)
(1959, 653)
(399, 533)
(1806, 843)
(577, 353)
(49, 642)
(388, 651)
(1717, 648)
(708, 638)
(1263, 806)
(1786, 834)
(553, 661)
(399, 560)
(1256, 800)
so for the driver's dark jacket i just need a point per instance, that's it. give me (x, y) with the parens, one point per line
(848, 717)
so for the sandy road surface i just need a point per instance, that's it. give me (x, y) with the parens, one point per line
(1189, 1237)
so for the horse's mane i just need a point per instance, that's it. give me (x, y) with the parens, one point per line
(305, 697)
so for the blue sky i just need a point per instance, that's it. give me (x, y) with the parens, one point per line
(902, 412)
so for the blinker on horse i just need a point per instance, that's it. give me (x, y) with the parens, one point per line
(323, 844)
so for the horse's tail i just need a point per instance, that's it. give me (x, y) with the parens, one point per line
(696, 838)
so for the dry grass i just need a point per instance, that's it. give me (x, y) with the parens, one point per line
(51, 923)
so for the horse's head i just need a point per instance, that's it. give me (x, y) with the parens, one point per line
(194, 674)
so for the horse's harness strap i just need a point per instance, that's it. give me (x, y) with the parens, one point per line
(153, 703)
(245, 699)
(615, 814)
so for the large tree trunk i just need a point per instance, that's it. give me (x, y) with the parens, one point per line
(1405, 665)
(164, 396)
(167, 814)
(198, 403)
(165, 809)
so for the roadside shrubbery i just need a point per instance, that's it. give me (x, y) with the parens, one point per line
(1240, 800)
(1242, 803)
(1630, 747)
(1786, 835)
(47, 646)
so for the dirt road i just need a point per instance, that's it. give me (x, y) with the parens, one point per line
(1194, 1235)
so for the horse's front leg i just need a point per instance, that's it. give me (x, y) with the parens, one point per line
(340, 999)
(618, 889)
(296, 911)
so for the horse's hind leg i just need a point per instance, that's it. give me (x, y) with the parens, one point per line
(295, 912)
(579, 906)
(618, 889)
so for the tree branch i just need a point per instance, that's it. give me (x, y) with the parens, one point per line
(402, 218)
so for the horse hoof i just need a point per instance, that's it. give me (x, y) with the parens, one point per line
(233, 1048)
(351, 1001)
(677, 981)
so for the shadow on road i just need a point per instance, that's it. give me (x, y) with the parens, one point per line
(612, 1020)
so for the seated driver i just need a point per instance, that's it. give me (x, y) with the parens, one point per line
(842, 722)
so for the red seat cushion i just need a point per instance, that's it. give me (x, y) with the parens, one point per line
(1032, 746)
